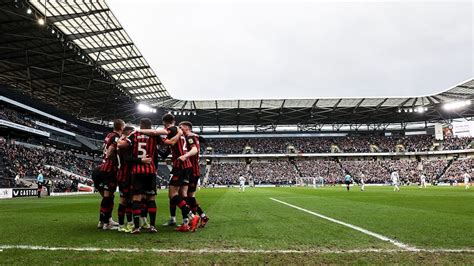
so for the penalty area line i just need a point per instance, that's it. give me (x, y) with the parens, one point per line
(222, 251)
(354, 227)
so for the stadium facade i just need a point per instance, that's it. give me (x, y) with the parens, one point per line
(76, 56)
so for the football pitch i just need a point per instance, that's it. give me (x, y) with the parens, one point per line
(263, 225)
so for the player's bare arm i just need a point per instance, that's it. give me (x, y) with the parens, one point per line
(174, 139)
(145, 160)
(110, 151)
(190, 153)
(123, 144)
(153, 132)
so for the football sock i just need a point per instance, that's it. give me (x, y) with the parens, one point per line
(199, 210)
(152, 211)
(172, 209)
(128, 212)
(136, 210)
(144, 208)
(192, 204)
(121, 214)
(101, 214)
(178, 201)
(105, 209)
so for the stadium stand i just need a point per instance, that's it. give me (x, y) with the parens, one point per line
(285, 171)
(457, 169)
(226, 173)
(26, 160)
(278, 172)
(329, 170)
(360, 144)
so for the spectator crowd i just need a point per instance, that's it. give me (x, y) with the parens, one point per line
(21, 163)
(350, 144)
(287, 172)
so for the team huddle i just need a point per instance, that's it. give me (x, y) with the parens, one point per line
(130, 163)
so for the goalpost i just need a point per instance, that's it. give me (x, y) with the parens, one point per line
(308, 181)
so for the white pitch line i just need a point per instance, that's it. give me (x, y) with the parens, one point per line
(357, 228)
(216, 251)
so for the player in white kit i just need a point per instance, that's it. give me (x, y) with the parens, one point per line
(242, 183)
(422, 180)
(467, 180)
(395, 178)
(362, 181)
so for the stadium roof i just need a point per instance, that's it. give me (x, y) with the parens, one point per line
(81, 60)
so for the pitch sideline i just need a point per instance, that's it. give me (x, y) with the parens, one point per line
(357, 228)
(215, 251)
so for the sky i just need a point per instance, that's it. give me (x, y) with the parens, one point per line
(260, 49)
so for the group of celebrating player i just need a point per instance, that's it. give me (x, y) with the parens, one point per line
(130, 162)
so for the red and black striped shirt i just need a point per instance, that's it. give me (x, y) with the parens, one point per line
(193, 141)
(110, 163)
(123, 175)
(178, 149)
(143, 146)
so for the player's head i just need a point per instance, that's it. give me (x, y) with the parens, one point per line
(145, 123)
(186, 126)
(127, 130)
(168, 120)
(119, 124)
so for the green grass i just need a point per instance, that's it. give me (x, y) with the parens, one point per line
(434, 218)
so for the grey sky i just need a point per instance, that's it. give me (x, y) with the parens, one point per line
(302, 49)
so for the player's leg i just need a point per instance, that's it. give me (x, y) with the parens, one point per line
(183, 193)
(107, 204)
(144, 214)
(136, 210)
(137, 195)
(176, 200)
(172, 220)
(129, 212)
(172, 206)
(174, 188)
(106, 208)
(150, 195)
(193, 204)
(196, 208)
(151, 206)
(123, 206)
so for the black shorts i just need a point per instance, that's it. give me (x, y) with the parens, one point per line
(193, 181)
(40, 185)
(347, 182)
(104, 181)
(124, 189)
(180, 177)
(143, 184)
